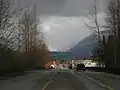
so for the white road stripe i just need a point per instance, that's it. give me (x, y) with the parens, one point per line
(94, 80)
(72, 72)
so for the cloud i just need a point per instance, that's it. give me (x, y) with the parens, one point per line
(63, 7)
(63, 33)
(48, 24)
(62, 20)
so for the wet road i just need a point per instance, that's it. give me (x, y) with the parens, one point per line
(62, 80)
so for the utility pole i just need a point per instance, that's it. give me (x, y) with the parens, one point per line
(19, 33)
(115, 49)
(34, 17)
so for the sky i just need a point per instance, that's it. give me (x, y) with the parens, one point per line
(62, 21)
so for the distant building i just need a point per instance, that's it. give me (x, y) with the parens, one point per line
(61, 55)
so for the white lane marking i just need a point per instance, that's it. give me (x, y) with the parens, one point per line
(94, 80)
(111, 75)
(106, 74)
(72, 72)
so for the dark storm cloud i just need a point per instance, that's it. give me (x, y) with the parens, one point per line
(63, 7)
(59, 17)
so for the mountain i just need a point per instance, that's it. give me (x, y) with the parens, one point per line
(83, 49)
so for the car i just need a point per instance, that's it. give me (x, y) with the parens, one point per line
(80, 67)
(52, 67)
(70, 66)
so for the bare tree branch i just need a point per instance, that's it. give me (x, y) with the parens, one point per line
(94, 18)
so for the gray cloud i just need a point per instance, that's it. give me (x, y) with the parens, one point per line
(62, 20)
(63, 7)
(63, 33)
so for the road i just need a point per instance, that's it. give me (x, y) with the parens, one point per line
(62, 80)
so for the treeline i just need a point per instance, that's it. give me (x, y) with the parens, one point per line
(22, 43)
(109, 53)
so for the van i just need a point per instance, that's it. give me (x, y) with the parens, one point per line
(80, 67)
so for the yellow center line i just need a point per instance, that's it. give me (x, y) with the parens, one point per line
(50, 80)
(45, 86)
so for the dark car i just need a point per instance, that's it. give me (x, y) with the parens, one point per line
(51, 68)
(70, 66)
(80, 67)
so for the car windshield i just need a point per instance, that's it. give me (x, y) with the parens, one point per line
(59, 44)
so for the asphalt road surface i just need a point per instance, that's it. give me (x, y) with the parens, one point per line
(62, 80)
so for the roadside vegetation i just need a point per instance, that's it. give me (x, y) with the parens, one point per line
(107, 51)
(22, 43)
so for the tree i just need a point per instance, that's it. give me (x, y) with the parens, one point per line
(6, 26)
(95, 27)
(32, 39)
(108, 51)
(113, 23)
(93, 17)
(29, 31)
(21, 40)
